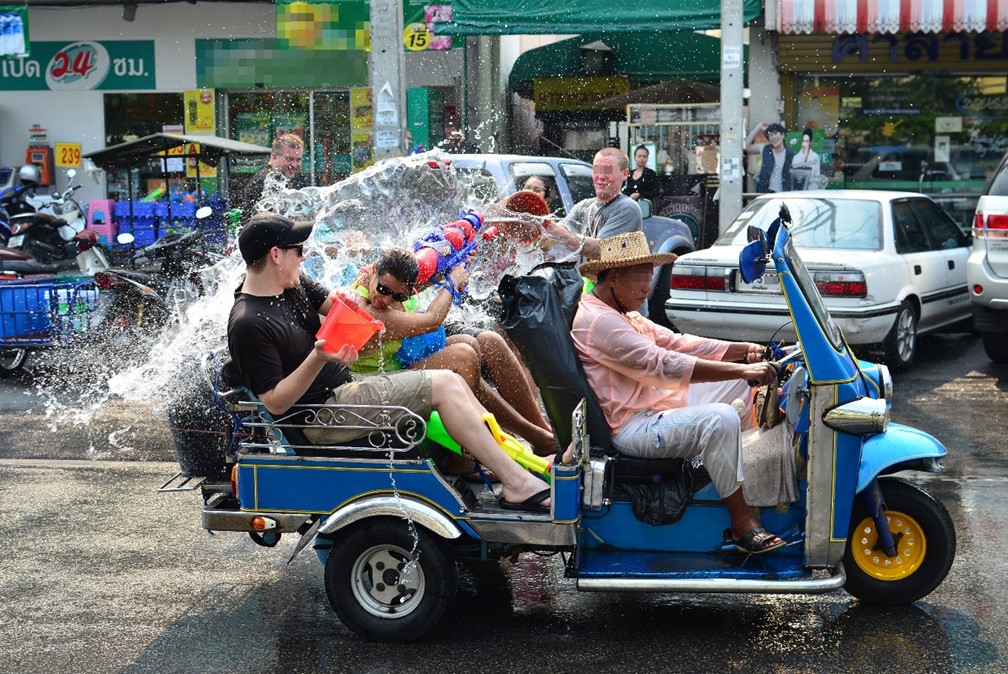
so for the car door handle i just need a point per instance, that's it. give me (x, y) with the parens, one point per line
(951, 264)
(917, 270)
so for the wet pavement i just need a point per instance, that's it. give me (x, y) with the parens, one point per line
(102, 574)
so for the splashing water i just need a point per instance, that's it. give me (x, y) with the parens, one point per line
(392, 203)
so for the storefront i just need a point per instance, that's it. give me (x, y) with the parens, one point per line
(220, 68)
(913, 98)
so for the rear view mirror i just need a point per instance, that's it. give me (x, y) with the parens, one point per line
(646, 208)
(125, 239)
(753, 259)
(204, 212)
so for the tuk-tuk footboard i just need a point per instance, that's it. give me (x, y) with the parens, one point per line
(684, 572)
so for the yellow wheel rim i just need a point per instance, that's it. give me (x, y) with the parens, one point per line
(911, 546)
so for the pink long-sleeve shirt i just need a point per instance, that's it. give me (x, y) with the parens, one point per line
(633, 364)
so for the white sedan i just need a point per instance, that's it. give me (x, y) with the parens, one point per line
(889, 265)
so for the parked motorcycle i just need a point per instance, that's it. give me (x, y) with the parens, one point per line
(49, 238)
(16, 186)
(158, 282)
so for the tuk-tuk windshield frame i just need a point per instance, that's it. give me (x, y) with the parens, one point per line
(808, 288)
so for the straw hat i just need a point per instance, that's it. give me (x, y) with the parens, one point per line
(625, 250)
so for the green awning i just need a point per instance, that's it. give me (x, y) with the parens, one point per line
(530, 17)
(644, 57)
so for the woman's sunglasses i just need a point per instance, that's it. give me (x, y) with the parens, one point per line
(387, 292)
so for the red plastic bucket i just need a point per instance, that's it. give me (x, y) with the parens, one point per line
(347, 324)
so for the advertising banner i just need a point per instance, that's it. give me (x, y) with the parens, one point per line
(324, 24)
(62, 66)
(420, 26)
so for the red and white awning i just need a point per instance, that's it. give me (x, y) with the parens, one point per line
(887, 16)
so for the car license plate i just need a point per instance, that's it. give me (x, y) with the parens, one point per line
(15, 241)
(766, 283)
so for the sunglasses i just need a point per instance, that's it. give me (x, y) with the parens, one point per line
(299, 248)
(387, 292)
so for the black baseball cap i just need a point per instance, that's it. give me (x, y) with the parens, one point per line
(263, 231)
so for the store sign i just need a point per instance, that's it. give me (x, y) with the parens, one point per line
(984, 107)
(575, 93)
(324, 24)
(83, 65)
(420, 26)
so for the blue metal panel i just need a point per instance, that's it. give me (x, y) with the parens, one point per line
(899, 443)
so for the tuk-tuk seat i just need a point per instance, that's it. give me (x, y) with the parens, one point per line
(267, 431)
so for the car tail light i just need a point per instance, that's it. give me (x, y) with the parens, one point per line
(987, 222)
(841, 284)
(699, 278)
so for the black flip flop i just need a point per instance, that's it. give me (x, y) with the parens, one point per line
(533, 504)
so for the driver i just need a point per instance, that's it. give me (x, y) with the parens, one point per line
(271, 337)
(667, 395)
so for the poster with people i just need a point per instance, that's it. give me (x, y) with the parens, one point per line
(806, 164)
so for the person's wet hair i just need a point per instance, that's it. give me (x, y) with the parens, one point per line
(400, 263)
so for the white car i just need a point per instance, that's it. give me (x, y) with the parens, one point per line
(889, 265)
(987, 268)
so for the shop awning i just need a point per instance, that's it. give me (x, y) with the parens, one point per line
(530, 17)
(211, 149)
(645, 58)
(886, 16)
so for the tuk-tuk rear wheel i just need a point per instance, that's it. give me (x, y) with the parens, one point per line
(926, 545)
(385, 590)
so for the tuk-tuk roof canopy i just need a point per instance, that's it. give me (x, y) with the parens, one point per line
(132, 153)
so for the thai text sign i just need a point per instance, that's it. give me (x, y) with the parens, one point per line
(63, 66)
(575, 93)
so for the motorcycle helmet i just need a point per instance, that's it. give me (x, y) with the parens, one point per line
(30, 175)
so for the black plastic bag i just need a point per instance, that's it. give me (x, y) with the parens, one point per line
(537, 311)
(200, 429)
(664, 502)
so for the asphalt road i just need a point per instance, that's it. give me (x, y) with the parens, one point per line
(102, 574)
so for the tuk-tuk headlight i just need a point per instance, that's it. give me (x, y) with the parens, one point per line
(858, 417)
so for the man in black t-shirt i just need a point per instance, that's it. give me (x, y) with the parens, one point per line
(271, 336)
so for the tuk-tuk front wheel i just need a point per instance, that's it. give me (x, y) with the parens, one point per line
(925, 542)
(385, 589)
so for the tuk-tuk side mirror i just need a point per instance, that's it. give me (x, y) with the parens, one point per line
(125, 239)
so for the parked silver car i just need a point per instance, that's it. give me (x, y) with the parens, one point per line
(569, 181)
(987, 267)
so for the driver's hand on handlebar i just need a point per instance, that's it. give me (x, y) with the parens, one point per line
(347, 354)
(760, 374)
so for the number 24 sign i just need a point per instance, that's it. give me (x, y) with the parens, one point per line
(68, 154)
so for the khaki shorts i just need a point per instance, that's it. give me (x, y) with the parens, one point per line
(408, 388)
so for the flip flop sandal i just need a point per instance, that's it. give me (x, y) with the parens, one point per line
(758, 541)
(533, 504)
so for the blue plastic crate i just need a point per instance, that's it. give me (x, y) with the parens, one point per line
(24, 311)
(45, 311)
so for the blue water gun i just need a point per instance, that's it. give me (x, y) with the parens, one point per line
(450, 245)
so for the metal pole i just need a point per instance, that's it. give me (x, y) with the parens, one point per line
(732, 159)
(386, 66)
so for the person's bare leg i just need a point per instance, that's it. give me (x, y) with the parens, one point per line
(510, 377)
(461, 415)
(458, 357)
(542, 441)
(462, 359)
